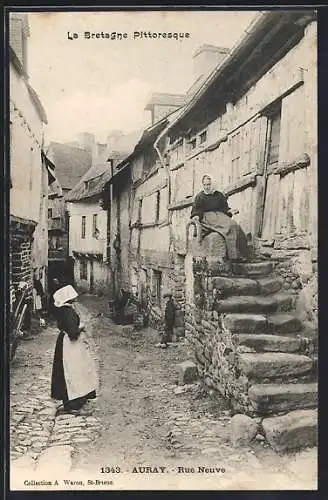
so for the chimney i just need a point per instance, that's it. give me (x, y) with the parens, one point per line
(206, 58)
(101, 148)
(99, 153)
(161, 105)
(112, 139)
(86, 141)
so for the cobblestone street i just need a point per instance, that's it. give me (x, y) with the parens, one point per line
(141, 418)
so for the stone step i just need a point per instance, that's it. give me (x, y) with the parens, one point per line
(270, 284)
(270, 343)
(252, 269)
(255, 304)
(273, 398)
(274, 365)
(246, 323)
(246, 286)
(283, 323)
(260, 323)
(293, 431)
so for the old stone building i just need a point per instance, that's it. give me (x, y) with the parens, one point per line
(252, 328)
(28, 172)
(97, 218)
(71, 162)
(155, 268)
(240, 128)
(146, 256)
(251, 125)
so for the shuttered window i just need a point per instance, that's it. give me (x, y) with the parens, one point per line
(83, 226)
(274, 140)
(158, 201)
(95, 231)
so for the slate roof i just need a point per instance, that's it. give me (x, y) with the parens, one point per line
(71, 163)
(91, 184)
(165, 100)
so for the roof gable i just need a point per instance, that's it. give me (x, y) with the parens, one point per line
(71, 163)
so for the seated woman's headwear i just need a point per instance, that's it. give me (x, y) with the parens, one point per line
(63, 295)
(206, 176)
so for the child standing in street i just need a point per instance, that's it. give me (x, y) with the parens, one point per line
(169, 319)
(38, 295)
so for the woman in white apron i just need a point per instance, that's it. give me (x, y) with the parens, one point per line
(73, 373)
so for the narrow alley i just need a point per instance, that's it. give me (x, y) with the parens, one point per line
(141, 418)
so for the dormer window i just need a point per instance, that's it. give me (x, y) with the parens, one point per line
(203, 137)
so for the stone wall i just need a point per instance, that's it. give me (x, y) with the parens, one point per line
(296, 263)
(212, 346)
(21, 238)
(178, 279)
(222, 359)
(21, 241)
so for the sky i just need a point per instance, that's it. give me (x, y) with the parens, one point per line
(98, 85)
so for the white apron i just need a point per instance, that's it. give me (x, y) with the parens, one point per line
(79, 368)
(37, 301)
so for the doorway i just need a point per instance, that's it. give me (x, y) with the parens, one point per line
(91, 276)
(267, 182)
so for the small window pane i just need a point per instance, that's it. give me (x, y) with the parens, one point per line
(83, 226)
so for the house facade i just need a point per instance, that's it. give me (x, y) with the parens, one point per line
(71, 162)
(238, 125)
(98, 218)
(139, 194)
(88, 245)
(28, 171)
(246, 140)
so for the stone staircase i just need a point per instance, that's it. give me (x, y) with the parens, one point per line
(274, 353)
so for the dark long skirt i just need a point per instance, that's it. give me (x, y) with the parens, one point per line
(235, 238)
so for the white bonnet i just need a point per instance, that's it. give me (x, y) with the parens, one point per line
(64, 294)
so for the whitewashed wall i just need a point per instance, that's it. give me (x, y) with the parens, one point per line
(26, 130)
(89, 243)
(294, 73)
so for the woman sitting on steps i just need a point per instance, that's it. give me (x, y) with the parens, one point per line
(211, 209)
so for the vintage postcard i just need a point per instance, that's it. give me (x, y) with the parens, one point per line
(163, 249)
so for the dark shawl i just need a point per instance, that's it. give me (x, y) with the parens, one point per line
(38, 287)
(170, 313)
(213, 202)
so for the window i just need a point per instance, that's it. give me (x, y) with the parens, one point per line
(139, 210)
(203, 137)
(158, 199)
(157, 286)
(83, 226)
(193, 143)
(235, 157)
(177, 152)
(49, 213)
(274, 139)
(66, 222)
(95, 231)
(83, 269)
(58, 245)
